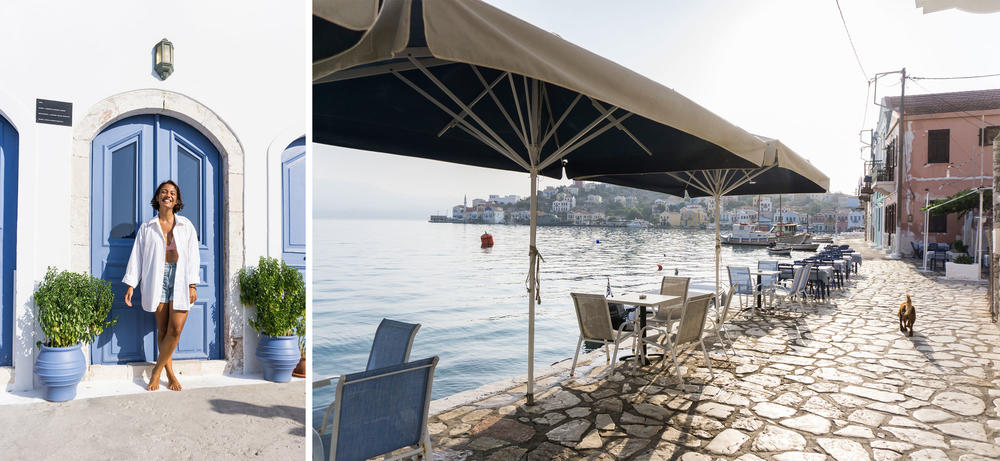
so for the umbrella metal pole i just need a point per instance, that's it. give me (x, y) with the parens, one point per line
(533, 221)
(927, 220)
(979, 233)
(718, 249)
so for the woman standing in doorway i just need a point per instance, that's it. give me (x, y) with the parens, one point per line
(165, 259)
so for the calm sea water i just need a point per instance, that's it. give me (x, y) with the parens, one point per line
(471, 302)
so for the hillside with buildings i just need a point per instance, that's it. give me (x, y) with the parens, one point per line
(596, 204)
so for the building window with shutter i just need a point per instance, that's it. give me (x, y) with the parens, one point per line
(991, 133)
(938, 224)
(937, 146)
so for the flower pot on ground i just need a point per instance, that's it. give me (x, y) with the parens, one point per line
(961, 269)
(278, 356)
(300, 369)
(72, 309)
(279, 295)
(60, 369)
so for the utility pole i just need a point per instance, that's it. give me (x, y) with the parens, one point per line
(994, 254)
(900, 142)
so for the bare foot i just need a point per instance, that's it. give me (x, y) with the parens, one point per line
(154, 381)
(172, 382)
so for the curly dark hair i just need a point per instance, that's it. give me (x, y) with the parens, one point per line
(156, 204)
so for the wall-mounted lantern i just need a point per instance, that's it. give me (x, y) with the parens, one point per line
(164, 59)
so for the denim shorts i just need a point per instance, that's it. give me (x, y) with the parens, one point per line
(169, 271)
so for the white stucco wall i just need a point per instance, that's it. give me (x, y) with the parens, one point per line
(245, 62)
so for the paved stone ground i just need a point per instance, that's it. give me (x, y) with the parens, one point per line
(816, 381)
(259, 421)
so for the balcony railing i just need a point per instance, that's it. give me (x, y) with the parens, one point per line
(880, 172)
(886, 174)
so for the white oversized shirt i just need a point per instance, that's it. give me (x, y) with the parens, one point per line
(145, 265)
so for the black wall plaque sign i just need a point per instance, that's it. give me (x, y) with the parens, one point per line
(53, 112)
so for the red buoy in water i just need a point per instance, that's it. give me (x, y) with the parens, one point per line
(487, 240)
(659, 267)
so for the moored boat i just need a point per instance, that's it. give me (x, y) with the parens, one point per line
(759, 235)
(785, 250)
(805, 246)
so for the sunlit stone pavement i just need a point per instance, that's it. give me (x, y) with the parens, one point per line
(834, 380)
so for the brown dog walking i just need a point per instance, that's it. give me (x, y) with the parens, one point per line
(907, 315)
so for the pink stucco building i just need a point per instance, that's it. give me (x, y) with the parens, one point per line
(947, 148)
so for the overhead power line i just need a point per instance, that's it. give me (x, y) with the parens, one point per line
(851, 41)
(955, 78)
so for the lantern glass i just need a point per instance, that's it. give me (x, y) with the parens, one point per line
(163, 54)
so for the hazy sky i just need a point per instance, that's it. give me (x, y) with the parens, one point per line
(781, 68)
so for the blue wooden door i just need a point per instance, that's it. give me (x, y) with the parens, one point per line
(293, 205)
(8, 237)
(128, 160)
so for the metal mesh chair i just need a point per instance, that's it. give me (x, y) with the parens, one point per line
(721, 317)
(799, 283)
(380, 411)
(594, 321)
(392, 343)
(669, 312)
(689, 332)
(391, 346)
(740, 276)
(768, 282)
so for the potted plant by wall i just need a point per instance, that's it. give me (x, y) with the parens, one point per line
(962, 268)
(72, 309)
(279, 294)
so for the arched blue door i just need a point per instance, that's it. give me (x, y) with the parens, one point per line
(293, 205)
(8, 237)
(128, 160)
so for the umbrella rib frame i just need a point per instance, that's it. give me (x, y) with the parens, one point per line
(716, 183)
(617, 123)
(534, 96)
(456, 100)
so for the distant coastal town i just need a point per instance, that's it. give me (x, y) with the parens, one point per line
(596, 204)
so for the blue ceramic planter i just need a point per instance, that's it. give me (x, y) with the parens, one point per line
(60, 370)
(278, 356)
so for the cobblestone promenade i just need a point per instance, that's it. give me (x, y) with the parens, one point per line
(818, 381)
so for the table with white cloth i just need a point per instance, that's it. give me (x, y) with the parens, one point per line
(841, 266)
(823, 275)
(644, 301)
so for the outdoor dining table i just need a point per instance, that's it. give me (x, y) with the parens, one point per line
(759, 274)
(643, 300)
(824, 274)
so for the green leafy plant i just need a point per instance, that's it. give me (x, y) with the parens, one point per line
(73, 307)
(959, 246)
(279, 294)
(963, 259)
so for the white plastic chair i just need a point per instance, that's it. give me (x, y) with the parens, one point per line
(594, 320)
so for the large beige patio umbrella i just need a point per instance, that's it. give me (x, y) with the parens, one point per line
(464, 82)
(338, 25)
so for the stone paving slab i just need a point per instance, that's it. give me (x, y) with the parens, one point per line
(832, 380)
